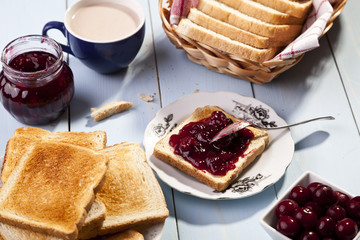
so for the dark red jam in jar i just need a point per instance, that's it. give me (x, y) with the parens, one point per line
(36, 85)
(193, 144)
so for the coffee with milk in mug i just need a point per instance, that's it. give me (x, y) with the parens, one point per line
(103, 21)
(105, 35)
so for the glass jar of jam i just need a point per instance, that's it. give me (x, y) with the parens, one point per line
(36, 85)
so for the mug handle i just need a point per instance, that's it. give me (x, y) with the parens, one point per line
(59, 26)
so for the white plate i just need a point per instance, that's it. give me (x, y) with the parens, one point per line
(153, 232)
(262, 173)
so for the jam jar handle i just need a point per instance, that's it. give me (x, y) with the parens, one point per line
(59, 26)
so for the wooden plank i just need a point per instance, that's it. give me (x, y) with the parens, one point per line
(224, 219)
(93, 90)
(313, 87)
(344, 38)
(310, 89)
(19, 18)
(179, 76)
(198, 218)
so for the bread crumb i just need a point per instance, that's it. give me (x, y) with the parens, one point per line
(146, 98)
(109, 109)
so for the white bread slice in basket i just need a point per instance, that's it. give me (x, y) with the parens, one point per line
(234, 33)
(263, 12)
(165, 152)
(297, 8)
(234, 17)
(18, 144)
(52, 188)
(218, 41)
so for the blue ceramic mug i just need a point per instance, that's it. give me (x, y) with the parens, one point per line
(97, 52)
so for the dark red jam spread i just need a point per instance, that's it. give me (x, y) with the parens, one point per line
(32, 61)
(33, 102)
(193, 144)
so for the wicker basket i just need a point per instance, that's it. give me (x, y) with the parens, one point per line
(228, 63)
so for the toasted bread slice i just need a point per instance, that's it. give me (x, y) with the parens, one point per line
(218, 41)
(109, 109)
(94, 219)
(263, 12)
(9, 232)
(234, 33)
(19, 144)
(53, 188)
(165, 152)
(297, 8)
(234, 17)
(131, 193)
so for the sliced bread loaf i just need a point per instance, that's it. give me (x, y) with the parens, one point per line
(234, 33)
(297, 8)
(262, 12)
(234, 17)
(218, 41)
(165, 152)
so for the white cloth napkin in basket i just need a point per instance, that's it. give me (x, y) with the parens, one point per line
(313, 28)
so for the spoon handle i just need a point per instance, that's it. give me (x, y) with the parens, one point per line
(237, 126)
(298, 123)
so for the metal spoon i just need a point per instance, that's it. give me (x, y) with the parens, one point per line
(237, 126)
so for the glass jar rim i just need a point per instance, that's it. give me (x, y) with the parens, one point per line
(41, 38)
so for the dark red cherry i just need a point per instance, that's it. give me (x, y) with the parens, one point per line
(288, 226)
(317, 208)
(309, 235)
(323, 195)
(353, 208)
(306, 217)
(336, 212)
(326, 226)
(286, 208)
(341, 198)
(300, 194)
(311, 187)
(357, 198)
(346, 229)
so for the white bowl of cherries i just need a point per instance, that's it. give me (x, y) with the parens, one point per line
(314, 209)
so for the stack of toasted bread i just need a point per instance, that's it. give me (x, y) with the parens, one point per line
(69, 185)
(255, 30)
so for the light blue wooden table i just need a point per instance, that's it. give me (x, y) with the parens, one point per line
(325, 82)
